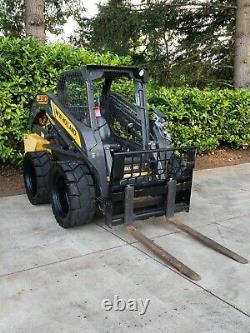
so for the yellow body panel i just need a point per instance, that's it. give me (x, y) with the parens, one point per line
(34, 142)
(66, 123)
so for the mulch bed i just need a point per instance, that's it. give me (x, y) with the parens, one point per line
(11, 179)
(222, 157)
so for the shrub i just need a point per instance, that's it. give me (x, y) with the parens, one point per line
(13, 120)
(204, 117)
(27, 68)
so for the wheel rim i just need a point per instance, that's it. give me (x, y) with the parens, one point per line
(60, 196)
(30, 179)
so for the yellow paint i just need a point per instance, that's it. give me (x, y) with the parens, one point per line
(34, 142)
(66, 123)
(129, 167)
(42, 99)
(136, 174)
(136, 167)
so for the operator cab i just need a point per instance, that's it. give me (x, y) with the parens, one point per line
(90, 95)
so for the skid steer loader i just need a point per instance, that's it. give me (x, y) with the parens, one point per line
(91, 149)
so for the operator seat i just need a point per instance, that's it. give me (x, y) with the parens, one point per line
(104, 130)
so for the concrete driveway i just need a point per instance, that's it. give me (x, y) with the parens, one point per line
(56, 280)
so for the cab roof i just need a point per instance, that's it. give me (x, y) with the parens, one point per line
(93, 72)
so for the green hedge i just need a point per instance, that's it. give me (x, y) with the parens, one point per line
(27, 68)
(205, 117)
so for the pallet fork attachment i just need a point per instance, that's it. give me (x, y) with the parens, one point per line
(165, 256)
(170, 260)
(209, 242)
(149, 183)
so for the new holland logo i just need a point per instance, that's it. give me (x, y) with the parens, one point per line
(66, 123)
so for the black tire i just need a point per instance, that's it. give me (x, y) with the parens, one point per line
(72, 193)
(36, 167)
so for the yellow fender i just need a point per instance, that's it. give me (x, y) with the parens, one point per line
(34, 142)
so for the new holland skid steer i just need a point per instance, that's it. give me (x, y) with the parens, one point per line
(91, 149)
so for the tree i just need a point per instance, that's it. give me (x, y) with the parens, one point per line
(206, 42)
(11, 18)
(56, 14)
(242, 45)
(34, 19)
(112, 29)
(181, 41)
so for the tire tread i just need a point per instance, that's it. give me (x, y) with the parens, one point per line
(81, 191)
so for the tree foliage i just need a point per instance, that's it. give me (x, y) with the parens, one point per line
(207, 41)
(181, 41)
(57, 12)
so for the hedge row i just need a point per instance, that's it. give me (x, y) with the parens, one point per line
(207, 118)
(27, 68)
(204, 117)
